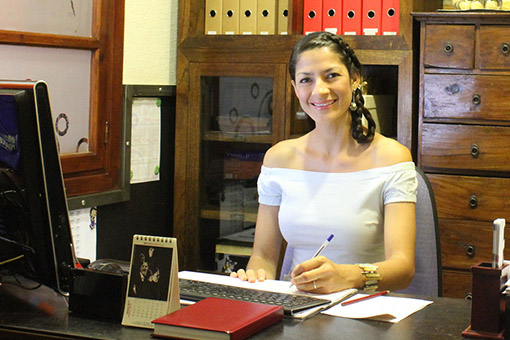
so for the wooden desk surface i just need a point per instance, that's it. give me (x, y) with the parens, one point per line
(42, 314)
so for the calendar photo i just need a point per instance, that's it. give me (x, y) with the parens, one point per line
(153, 286)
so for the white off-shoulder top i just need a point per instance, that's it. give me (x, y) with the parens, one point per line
(349, 205)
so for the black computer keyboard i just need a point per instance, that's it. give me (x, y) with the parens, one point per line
(197, 290)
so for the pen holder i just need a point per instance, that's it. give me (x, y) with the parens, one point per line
(487, 305)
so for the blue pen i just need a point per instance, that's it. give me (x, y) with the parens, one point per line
(321, 248)
(324, 245)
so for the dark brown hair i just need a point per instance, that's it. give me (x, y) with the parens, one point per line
(350, 60)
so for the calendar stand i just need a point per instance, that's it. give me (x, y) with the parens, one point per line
(153, 283)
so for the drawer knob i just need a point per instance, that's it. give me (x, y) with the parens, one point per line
(468, 296)
(470, 250)
(505, 48)
(473, 201)
(448, 47)
(477, 99)
(475, 150)
(452, 89)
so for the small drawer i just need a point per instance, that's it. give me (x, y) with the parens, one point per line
(449, 46)
(466, 97)
(494, 47)
(465, 243)
(466, 147)
(457, 284)
(470, 197)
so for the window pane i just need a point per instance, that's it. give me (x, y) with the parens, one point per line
(66, 17)
(67, 73)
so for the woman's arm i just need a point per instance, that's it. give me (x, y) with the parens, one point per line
(397, 270)
(266, 247)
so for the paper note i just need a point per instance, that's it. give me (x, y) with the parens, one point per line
(83, 227)
(381, 308)
(145, 139)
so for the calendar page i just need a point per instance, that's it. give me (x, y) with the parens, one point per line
(153, 283)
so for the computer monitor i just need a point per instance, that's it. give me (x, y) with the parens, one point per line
(35, 233)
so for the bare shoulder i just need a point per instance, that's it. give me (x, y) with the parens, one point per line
(388, 151)
(284, 153)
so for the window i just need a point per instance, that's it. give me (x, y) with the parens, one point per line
(76, 46)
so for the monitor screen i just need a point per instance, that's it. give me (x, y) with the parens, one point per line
(35, 233)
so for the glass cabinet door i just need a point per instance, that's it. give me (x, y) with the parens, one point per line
(241, 114)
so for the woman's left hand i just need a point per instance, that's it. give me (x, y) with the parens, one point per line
(321, 275)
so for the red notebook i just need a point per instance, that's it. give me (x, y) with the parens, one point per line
(216, 318)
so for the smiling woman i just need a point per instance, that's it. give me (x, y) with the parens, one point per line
(80, 57)
(341, 178)
(328, 62)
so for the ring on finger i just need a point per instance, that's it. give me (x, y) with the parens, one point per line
(314, 285)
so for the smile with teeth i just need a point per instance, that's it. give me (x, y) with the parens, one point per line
(323, 104)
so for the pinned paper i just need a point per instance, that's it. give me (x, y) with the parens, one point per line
(145, 139)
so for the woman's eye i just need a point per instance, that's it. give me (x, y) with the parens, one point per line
(333, 75)
(304, 80)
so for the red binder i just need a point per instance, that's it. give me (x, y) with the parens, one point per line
(351, 18)
(371, 22)
(332, 16)
(390, 16)
(312, 16)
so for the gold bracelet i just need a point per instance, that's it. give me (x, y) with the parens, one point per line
(372, 277)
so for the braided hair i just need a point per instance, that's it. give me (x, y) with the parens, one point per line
(350, 60)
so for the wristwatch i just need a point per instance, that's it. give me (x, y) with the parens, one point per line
(372, 277)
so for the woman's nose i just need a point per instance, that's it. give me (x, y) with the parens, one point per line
(320, 87)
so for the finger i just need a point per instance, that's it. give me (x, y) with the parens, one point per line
(308, 286)
(306, 278)
(242, 274)
(234, 274)
(307, 266)
(251, 277)
(261, 274)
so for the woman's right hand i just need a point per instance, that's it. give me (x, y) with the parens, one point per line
(250, 275)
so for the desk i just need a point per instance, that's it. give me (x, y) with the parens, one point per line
(446, 318)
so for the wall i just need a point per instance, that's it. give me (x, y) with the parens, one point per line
(150, 42)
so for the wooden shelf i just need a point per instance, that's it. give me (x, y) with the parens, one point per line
(216, 213)
(254, 48)
(217, 136)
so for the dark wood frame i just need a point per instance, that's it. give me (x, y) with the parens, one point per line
(97, 170)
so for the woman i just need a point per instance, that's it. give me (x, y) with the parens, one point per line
(341, 179)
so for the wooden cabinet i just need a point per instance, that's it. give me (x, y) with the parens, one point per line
(204, 148)
(464, 133)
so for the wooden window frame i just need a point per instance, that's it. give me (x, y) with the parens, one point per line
(99, 170)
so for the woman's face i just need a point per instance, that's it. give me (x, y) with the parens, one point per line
(144, 268)
(323, 85)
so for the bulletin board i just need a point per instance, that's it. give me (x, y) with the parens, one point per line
(149, 210)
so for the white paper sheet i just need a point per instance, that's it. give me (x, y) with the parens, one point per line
(381, 308)
(145, 139)
(83, 227)
(271, 286)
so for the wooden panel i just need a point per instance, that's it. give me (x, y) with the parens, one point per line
(456, 284)
(494, 47)
(466, 97)
(465, 243)
(449, 46)
(468, 147)
(469, 197)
